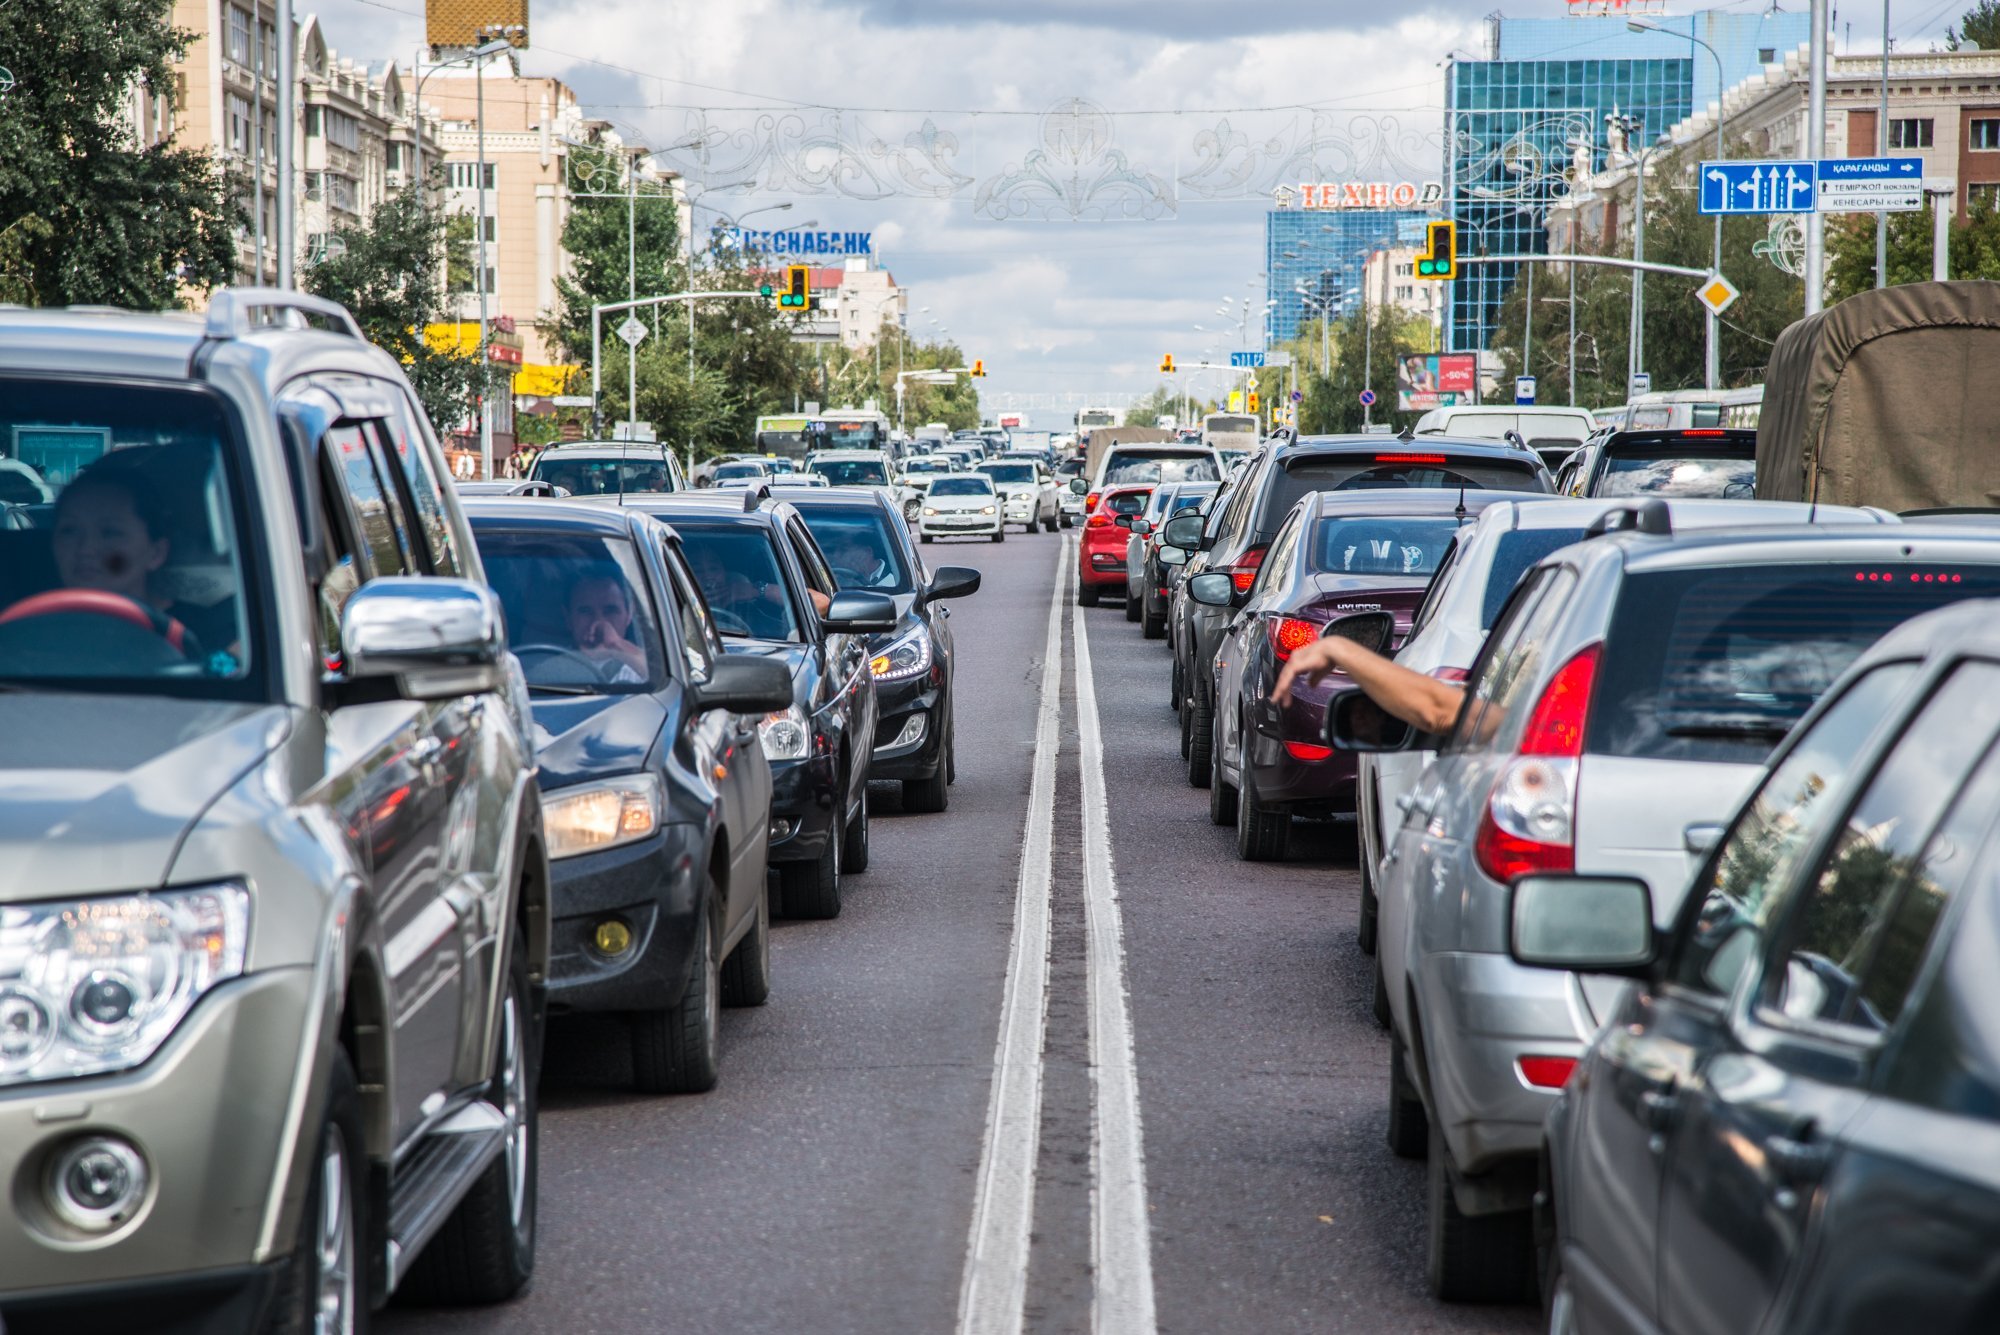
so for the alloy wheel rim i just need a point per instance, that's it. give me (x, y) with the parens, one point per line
(1562, 1310)
(513, 1101)
(334, 1240)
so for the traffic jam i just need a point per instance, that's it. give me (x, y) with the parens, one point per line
(342, 803)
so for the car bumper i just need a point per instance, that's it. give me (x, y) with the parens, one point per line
(651, 887)
(1099, 565)
(230, 1299)
(948, 526)
(803, 806)
(210, 1114)
(1023, 511)
(910, 728)
(1482, 1013)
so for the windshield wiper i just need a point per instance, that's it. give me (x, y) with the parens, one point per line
(541, 688)
(1770, 729)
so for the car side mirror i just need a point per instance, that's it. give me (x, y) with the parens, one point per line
(1583, 924)
(1370, 630)
(1142, 527)
(1183, 531)
(407, 638)
(1078, 485)
(1122, 521)
(1212, 590)
(1173, 556)
(952, 582)
(860, 613)
(746, 684)
(1354, 722)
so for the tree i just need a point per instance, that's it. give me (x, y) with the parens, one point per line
(89, 216)
(1978, 28)
(614, 245)
(1850, 248)
(390, 278)
(1332, 402)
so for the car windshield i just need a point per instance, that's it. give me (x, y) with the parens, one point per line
(577, 614)
(1158, 466)
(738, 570)
(1676, 473)
(605, 477)
(1016, 473)
(1401, 545)
(1394, 472)
(852, 472)
(739, 470)
(961, 486)
(858, 546)
(121, 568)
(1717, 664)
(1512, 555)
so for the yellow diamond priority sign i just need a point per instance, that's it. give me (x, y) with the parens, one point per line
(1717, 293)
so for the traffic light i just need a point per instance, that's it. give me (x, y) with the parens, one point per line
(797, 295)
(1252, 401)
(1439, 260)
(1167, 364)
(979, 368)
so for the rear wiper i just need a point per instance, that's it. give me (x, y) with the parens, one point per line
(538, 688)
(1770, 729)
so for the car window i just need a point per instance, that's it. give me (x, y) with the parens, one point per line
(859, 548)
(697, 632)
(1144, 465)
(740, 577)
(1850, 950)
(1440, 582)
(1772, 831)
(579, 616)
(1010, 473)
(361, 474)
(605, 477)
(852, 472)
(1124, 502)
(961, 486)
(1393, 545)
(1277, 565)
(1508, 665)
(1677, 472)
(1716, 664)
(411, 449)
(1514, 553)
(1395, 471)
(810, 558)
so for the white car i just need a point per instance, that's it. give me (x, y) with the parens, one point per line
(961, 505)
(1027, 493)
(863, 468)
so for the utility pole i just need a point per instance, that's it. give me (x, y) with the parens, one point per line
(1815, 275)
(485, 358)
(1882, 148)
(287, 109)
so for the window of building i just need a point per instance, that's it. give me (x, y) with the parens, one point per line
(393, 157)
(1911, 133)
(465, 175)
(491, 229)
(1985, 134)
(1767, 55)
(238, 46)
(340, 192)
(238, 115)
(267, 49)
(1983, 192)
(315, 189)
(342, 130)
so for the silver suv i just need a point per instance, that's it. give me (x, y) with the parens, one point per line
(273, 896)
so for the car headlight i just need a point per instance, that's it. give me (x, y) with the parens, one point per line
(95, 985)
(930, 510)
(592, 817)
(988, 510)
(785, 735)
(904, 657)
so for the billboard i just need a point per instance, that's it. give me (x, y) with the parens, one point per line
(1437, 380)
(450, 23)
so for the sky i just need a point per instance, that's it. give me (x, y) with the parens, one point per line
(1053, 306)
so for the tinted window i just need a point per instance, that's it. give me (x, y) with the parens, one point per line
(697, 635)
(739, 470)
(1367, 472)
(1514, 553)
(1717, 664)
(961, 486)
(1853, 945)
(1773, 831)
(852, 472)
(1393, 546)
(1124, 502)
(1678, 473)
(388, 547)
(738, 570)
(412, 451)
(578, 616)
(605, 477)
(1140, 465)
(1511, 660)
(860, 549)
(1009, 472)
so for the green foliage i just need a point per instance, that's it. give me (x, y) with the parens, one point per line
(112, 223)
(1332, 402)
(389, 281)
(615, 246)
(1978, 27)
(1850, 248)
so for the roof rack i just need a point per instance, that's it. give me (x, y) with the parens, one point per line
(1650, 517)
(229, 311)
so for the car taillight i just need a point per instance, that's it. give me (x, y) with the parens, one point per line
(1308, 751)
(1090, 503)
(1529, 823)
(1289, 633)
(1546, 1072)
(1244, 572)
(1098, 521)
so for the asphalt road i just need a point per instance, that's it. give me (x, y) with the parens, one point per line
(830, 1183)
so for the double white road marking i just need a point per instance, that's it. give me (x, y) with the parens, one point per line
(993, 1294)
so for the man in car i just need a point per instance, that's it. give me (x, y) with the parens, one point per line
(599, 613)
(1425, 702)
(856, 561)
(736, 592)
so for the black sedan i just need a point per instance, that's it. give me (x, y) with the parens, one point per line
(870, 549)
(653, 790)
(772, 593)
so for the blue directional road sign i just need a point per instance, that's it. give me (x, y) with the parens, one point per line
(1869, 185)
(1246, 359)
(1759, 187)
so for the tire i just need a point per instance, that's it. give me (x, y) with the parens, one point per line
(677, 1050)
(1378, 998)
(746, 974)
(812, 889)
(1222, 799)
(328, 1271)
(485, 1253)
(1152, 627)
(1201, 742)
(1050, 525)
(1366, 925)
(1068, 521)
(1175, 691)
(923, 537)
(1187, 727)
(928, 795)
(1000, 535)
(1558, 1299)
(1475, 1258)
(1086, 595)
(854, 843)
(1409, 1128)
(951, 756)
(1263, 834)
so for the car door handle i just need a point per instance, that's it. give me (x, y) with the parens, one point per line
(1701, 839)
(1660, 1109)
(1798, 1160)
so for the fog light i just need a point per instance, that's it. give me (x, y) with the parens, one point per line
(912, 733)
(612, 937)
(95, 1184)
(782, 828)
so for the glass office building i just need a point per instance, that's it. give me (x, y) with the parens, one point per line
(1323, 250)
(1522, 120)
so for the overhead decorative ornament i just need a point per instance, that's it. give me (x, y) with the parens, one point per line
(1075, 174)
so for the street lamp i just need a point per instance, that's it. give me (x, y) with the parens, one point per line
(1714, 358)
(1636, 341)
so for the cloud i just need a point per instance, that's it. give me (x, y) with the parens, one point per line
(1175, 20)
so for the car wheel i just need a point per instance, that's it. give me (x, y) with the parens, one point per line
(1151, 626)
(1068, 521)
(1475, 1258)
(812, 889)
(485, 1253)
(928, 795)
(951, 756)
(1175, 703)
(1049, 525)
(678, 1050)
(1131, 606)
(1365, 926)
(1378, 998)
(1187, 728)
(854, 847)
(1222, 799)
(1263, 833)
(1086, 595)
(324, 1286)
(999, 535)
(923, 537)
(1201, 741)
(746, 974)
(1409, 1131)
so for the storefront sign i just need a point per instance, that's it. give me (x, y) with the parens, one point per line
(800, 244)
(1362, 195)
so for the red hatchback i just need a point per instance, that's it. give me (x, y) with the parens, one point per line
(1100, 564)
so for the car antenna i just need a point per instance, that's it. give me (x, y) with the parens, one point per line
(1409, 431)
(1459, 513)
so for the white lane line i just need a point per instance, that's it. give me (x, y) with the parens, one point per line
(1121, 1233)
(994, 1291)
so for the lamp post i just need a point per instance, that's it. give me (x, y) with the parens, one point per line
(1636, 338)
(1713, 369)
(1815, 274)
